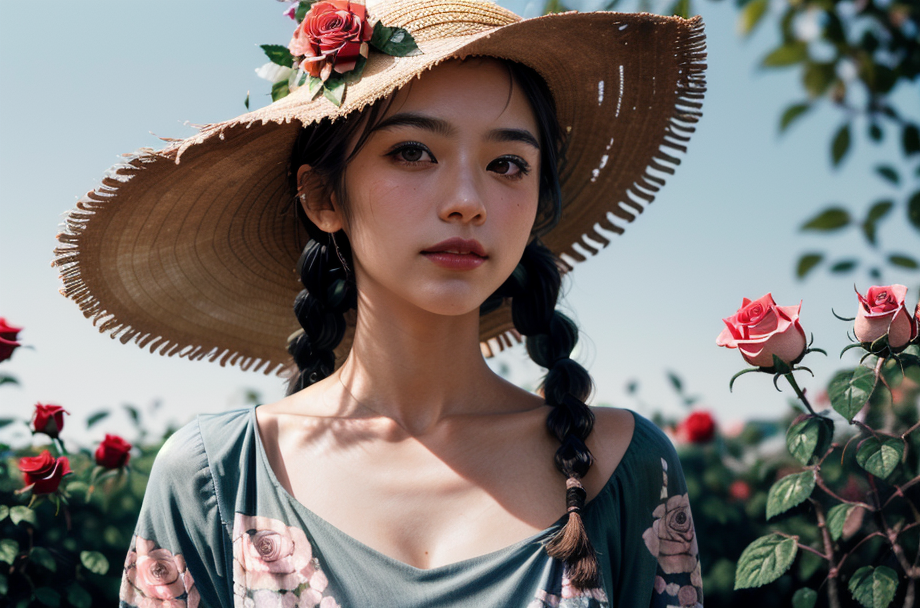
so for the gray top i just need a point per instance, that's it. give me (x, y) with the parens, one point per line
(217, 529)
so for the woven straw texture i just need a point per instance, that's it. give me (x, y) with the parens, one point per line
(191, 250)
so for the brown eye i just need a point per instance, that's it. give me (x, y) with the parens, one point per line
(413, 155)
(511, 167)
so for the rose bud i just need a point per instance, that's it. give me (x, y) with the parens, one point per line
(44, 472)
(113, 452)
(8, 343)
(761, 329)
(48, 419)
(882, 312)
(698, 427)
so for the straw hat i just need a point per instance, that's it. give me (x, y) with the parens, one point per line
(191, 250)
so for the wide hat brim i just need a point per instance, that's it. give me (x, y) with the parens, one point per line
(191, 250)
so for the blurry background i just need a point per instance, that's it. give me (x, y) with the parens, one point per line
(85, 81)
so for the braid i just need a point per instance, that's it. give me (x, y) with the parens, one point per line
(551, 336)
(320, 307)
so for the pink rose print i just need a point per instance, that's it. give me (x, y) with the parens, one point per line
(155, 578)
(273, 565)
(671, 538)
(570, 597)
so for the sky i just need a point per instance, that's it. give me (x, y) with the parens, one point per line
(99, 78)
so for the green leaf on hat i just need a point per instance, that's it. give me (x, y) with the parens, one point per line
(880, 457)
(280, 90)
(278, 54)
(841, 144)
(94, 561)
(43, 557)
(315, 86)
(394, 41)
(849, 391)
(21, 513)
(874, 587)
(789, 491)
(354, 75)
(764, 561)
(334, 90)
(302, 9)
(790, 53)
(807, 262)
(804, 598)
(809, 438)
(832, 218)
(792, 113)
(837, 518)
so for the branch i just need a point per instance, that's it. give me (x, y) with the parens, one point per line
(832, 597)
(830, 493)
(899, 490)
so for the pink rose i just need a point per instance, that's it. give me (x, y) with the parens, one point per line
(761, 329)
(883, 311)
(270, 555)
(155, 578)
(332, 35)
(671, 537)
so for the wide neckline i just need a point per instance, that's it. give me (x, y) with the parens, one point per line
(453, 566)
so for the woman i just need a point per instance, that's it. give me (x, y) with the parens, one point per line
(399, 470)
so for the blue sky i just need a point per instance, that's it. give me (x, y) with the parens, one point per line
(91, 80)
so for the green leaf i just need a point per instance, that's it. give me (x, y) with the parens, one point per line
(94, 561)
(4, 511)
(888, 173)
(832, 218)
(78, 597)
(806, 263)
(876, 213)
(393, 41)
(354, 75)
(874, 587)
(302, 10)
(910, 140)
(804, 598)
(277, 54)
(837, 517)
(315, 86)
(4, 585)
(334, 90)
(790, 53)
(913, 209)
(280, 90)
(841, 144)
(751, 15)
(8, 379)
(680, 8)
(43, 557)
(792, 113)
(246, 101)
(9, 548)
(48, 596)
(880, 458)
(96, 417)
(844, 266)
(134, 413)
(809, 438)
(875, 132)
(904, 261)
(764, 561)
(21, 513)
(789, 491)
(818, 77)
(849, 391)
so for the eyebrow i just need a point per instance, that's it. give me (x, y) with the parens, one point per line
(442, 127)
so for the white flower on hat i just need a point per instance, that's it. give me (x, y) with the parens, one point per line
(273, 72)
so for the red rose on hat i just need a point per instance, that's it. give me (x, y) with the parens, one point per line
(332, 35)
(8, 343)
(48, 419)
(44, 472)
(761, 329)
(698, 427)
(882, 312)
(113, 452)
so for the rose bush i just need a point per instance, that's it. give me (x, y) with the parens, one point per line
(761, 329)
(43, 473)
(698, 427)
(113, 452)
(332, 36)
(883, 312)
(8, 336)
(48, 419)
(155, 578)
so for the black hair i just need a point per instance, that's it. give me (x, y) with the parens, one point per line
(329, 292)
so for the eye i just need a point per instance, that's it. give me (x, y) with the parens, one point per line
(512, 167)
(412, 153)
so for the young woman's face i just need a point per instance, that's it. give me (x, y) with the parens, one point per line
(443, 195)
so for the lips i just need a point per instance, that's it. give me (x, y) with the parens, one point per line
(457, 254)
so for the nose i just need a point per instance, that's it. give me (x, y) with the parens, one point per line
(463, 198)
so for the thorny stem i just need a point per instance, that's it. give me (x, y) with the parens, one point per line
(855, 547)
(899, 490)
(910, 430)
(800, 545)
(799, 392)
(832, 597)
(830, 493)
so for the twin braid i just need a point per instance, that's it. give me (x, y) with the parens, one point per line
(329, 292)
(550, 338)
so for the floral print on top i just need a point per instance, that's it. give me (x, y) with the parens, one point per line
(672, 540)
(155, 578)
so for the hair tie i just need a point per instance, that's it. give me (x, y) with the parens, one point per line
(574, 494)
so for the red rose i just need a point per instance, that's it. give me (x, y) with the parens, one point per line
(44, 472)
(48, 419)
(883, 311)
(8, 343)
(739, 490)
(698, 427)
(332, 35)
(761, 329)
(113, 452)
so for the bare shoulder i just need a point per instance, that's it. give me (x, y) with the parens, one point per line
(608, 442)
